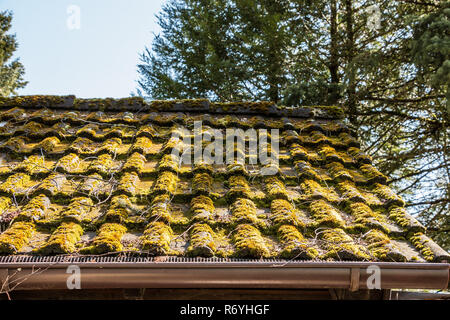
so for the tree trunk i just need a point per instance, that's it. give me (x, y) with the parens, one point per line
(334, 64)
(350, 52)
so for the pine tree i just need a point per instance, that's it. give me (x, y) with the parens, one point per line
(11, 74)
(226, 50)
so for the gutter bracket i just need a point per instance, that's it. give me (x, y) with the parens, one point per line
(354, 279)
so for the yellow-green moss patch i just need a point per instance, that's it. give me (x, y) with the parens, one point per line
(202, 242)
(275, 188)
(108, 239)
(249, 242)
(160, 208)
(340, 246)
(156, 238)
(420, 241)
(313, 189)
(63, 240)
(166, 182)
(283, 212)
(202, 183)
(325, 215)
(244, 211)
(135, 162)
(294, 244)
(202, 208)
(15, 237)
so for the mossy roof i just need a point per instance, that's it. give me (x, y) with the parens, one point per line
(95, 176)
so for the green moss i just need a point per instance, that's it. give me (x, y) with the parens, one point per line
(129, 183)
(108, 239)
(93, 184)
(202, 183)
(275, 188)
(203, 208)
(332, 111)
(35, 165)
(238, 187)
(16, 183)
(5, 203)
(135, 162)
(348, 140)
(330, 154)
(260, 107)
(298, 152)
(35, 209)
(249, 242)
(420, 240)
(16, 236)
(111, 145)
(340, 246)
(388, 194)
(359, 155)
(63, 240)
(403, 219)
(16, 144)
(52, 184)
(202, 241)
(49, 144)
(372, 174)
(244, 211)
(156, 238)
(294, 244)
(77, 208)
(325, 215)
(236, 169)
(169, 105)
(380, 246)
(317, 138)
(160, 208)
(102, 164)
(146, 130)
(143, 145)
(70, 163)
(169, 162)
(350, 192)
(172, 145)
(338, 171)
(305, 170)
(313, 189)
(203, 167)
(167, 182)
(32, 101)
(363, 215)
(283, 212)
(119, 210)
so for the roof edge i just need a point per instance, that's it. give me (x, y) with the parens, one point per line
(138, 104)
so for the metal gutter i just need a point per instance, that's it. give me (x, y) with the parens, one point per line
(211, 273)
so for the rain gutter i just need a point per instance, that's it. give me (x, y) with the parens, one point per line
(112, 273)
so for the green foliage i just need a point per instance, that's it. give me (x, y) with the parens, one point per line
(225, 51)
(11, 74)
(431, 48)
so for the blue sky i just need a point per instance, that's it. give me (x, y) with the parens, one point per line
(97, 60)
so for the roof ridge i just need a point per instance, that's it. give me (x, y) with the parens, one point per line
(135, 104)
